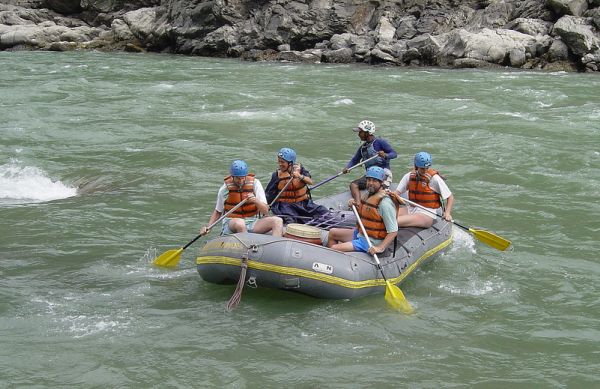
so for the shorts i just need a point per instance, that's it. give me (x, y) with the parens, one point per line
(359, 242)
(249, 225)
(362, 181)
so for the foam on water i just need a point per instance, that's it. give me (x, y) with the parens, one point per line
(343, 102)
(462, 240)
(30, 184)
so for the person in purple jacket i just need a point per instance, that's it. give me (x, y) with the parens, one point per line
(371, 146)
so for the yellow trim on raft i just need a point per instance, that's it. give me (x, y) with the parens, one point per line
(292, 271)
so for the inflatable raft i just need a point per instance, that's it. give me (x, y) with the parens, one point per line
(297, 263)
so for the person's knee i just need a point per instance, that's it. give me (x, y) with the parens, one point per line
(237, 225)
(278, 222)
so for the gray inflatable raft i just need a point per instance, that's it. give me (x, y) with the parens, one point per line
(315, 270)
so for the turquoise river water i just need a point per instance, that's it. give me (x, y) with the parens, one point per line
(107, 160)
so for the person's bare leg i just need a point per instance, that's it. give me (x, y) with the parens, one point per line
(237, 225)
(415, 220)
(270, 223)
(337, 235)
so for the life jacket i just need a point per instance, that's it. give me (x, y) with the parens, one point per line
(236, 195)
(420, 192)
(367, 150)
(370, 217)
(295, 192)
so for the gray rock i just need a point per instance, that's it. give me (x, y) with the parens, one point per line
(62, 46)
(343, 55)
(309, 56)
(594, 14)
(517, 58)
(121, 31)
(496, 15)
(531, 27)
(577, 34)
(429, 47)
(569, 7)
(558, 51)
(385, 30)
(492, 46)
(472, 63)
(406, 28)
(379, 56)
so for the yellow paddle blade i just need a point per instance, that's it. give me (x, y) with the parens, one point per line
(491, 239)
(395, 298)
(169, 258)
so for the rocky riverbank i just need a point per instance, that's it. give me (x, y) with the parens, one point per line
(529, 34)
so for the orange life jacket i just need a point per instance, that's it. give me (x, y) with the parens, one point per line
(295, 192)
(420, 192)
(236, 195)
(370, 217)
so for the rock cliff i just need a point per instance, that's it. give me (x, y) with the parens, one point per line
(529, 34)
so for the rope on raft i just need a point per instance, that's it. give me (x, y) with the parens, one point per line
(235, 299)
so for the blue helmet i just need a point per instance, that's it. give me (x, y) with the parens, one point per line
(423, 159)
(376, 172)
(287, 154)
(238, 168)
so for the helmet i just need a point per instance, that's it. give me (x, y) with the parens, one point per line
(376, 172)
(287, 154)
(423, 159)
(239, 168)
(365, 125)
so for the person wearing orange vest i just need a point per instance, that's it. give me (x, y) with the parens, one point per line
(426, 187)
(294, 204)
(236, 187)
(377, 212)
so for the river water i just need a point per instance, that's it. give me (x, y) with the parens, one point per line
(107, 160)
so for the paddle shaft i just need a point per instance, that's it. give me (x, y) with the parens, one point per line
(340, 173)
(223, 216)
(364, 232)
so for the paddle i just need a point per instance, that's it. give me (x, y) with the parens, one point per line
(340, 173)
(170, 258)
(486, 237)
(393, 295)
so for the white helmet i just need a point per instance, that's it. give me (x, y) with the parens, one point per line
(367, 126)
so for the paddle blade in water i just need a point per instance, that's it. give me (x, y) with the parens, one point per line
(491, 239)
(395, 298)
(169, 258)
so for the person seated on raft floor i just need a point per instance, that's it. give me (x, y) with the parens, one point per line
(377, 212)
(371, 146)
(427, 188)
(294, 205)
(238, 186)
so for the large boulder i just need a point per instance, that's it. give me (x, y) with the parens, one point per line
(568, 7)
(533, 27)
(494, 46)
(577, 33)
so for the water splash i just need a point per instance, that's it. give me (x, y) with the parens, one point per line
(22, 184)
(462, 240)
